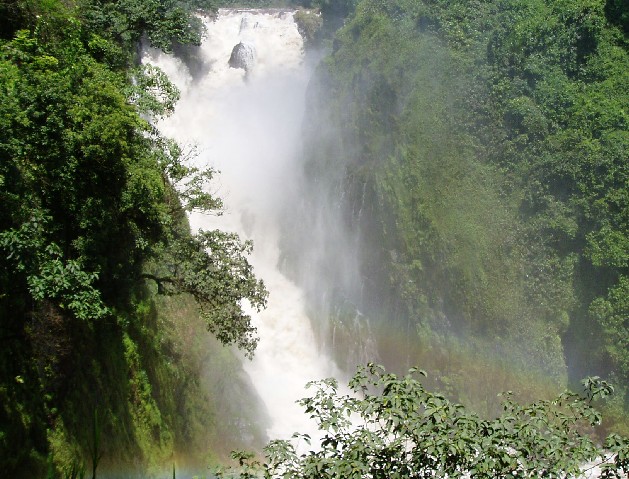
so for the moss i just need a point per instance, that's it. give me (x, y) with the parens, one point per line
(463, 164)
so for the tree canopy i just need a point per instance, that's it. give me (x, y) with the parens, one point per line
(93, 213)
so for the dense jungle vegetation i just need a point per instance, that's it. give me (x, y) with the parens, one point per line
(482, 149)
(104, 292)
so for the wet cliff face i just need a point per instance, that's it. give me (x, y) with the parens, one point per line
(412, 182)
(461, 186)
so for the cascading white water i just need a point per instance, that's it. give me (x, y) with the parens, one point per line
(247, 125)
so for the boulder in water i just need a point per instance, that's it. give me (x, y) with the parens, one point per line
(243, 56)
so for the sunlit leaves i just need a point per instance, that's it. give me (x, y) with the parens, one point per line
(162, 21)
(48, 275)
(392, 427)
(73, 146)
(212, 266)
(152, 92)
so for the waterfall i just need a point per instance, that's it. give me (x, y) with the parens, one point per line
(246, 123)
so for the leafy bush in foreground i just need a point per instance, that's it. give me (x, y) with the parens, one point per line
(392, 427)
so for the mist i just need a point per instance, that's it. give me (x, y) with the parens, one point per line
(247, 125)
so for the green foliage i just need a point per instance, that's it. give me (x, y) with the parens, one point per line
(484, 145)
(338, 9)
(79, 171)
(309, 24)
(83, 168)
(162, 21)
(152, 92)
(218, 281)
(212, 266)
(392, 427)
(47, 275)
(611, 314)
(93, 198)
(618, 13)
(26, 14)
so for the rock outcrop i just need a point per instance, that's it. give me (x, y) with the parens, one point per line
(243, 56)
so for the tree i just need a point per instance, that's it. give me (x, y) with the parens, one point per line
(162, 21)
(92, 198)
(392, 427)
(212, 267)
(91, 189)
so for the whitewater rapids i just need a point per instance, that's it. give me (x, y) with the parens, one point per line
(247, 125)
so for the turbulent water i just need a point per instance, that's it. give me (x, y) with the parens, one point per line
(247, 125)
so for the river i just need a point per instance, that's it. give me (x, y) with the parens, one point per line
(247, 125)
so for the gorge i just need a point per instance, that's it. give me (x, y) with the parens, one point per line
(412, 183)
(405, 238)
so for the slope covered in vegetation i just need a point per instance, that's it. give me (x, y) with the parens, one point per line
(483, 156)
(97, 362)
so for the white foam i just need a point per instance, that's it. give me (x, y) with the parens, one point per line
(249, 127)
